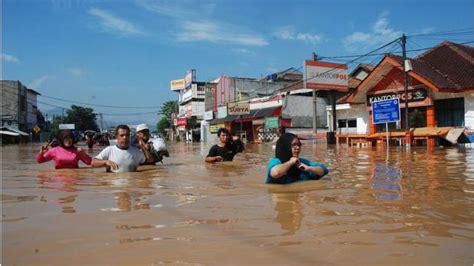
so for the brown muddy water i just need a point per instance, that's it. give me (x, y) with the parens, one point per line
(374, 208)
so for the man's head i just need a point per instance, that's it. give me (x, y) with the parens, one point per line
(122, 134)
(143, 132)
(223, 135)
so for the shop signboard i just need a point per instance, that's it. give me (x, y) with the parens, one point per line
(190, 77)
(326, 76)
(414, 95)
(177, 84)
(67, 126)
(209, 115)
(238, 108)
(386, 111)
(271, 122)
(213, 128)
(181, 121)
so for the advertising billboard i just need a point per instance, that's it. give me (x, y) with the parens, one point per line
(177, 84)
(326, 76)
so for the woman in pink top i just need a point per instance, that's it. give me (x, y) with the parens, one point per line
(65, 155)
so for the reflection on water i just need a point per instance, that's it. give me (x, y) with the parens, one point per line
(400, 207)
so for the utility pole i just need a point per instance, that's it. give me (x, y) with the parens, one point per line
(405, 85)
(315, 103)
(101, 123)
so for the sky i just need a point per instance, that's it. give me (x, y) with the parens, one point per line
(125, 53)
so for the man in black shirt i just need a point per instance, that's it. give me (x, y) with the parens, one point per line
(226, 148)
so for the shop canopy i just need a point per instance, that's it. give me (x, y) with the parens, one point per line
(13, 130)
(254, 114)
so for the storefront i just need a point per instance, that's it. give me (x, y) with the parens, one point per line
(439, 96)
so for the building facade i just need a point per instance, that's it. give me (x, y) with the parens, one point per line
(19, 106)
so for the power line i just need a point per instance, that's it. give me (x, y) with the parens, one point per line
(123, 114)
(100, 105)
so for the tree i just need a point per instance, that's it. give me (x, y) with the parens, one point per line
(168, 108)
(162, 125)
(83, 117)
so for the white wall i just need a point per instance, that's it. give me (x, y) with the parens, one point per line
(347, 111)
(468, 105)
(469, 110)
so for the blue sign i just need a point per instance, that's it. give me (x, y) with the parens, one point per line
(386, 111)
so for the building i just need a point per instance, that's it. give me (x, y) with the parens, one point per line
(242, 105)
(440, 97)
(19, 107)
(191, 100)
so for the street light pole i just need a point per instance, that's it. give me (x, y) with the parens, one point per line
(405, 85)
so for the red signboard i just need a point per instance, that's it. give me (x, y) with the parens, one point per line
(182, 121)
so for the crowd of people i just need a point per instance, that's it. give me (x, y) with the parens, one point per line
(130, 152)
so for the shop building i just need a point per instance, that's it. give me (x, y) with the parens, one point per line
(440, 98)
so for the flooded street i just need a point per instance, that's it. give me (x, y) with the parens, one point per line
(374, 207)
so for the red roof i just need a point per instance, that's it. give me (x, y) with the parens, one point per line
(449, 66)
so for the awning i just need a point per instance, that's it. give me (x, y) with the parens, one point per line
(222, 120)
(9, 133)
(257, 113)
(14, 130)
(265, 112)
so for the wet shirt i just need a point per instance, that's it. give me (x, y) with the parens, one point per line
(286, 179)
(228, 152)
(64, 158)
(126, 159)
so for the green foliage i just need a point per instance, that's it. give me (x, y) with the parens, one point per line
(168, 108)
(162, 125)
(83, 117)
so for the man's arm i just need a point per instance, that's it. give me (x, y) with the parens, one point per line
(145, 149)
(213, 157)
(101, 163)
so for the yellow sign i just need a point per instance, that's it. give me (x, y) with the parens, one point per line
(36, 129)
(177, 84)
(213, 128)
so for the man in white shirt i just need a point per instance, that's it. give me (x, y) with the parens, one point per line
(122, 157)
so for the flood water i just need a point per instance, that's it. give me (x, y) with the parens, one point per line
(414, 207)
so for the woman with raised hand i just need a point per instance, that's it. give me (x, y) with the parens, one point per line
(287, 167)
(66, 155)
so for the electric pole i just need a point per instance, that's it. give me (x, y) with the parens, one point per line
(405, 85)
(315, 103)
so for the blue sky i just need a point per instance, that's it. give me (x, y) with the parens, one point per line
(124, 53)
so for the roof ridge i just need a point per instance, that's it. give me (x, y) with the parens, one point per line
(454, 46)
(432, 49)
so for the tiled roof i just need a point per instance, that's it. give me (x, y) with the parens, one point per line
(455, 62)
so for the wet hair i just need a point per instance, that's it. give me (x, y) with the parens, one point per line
(222, 130)
(125, 127)
(63, 135)
(284, 153)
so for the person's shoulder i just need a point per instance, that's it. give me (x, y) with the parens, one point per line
(274, 161)
(306, 161)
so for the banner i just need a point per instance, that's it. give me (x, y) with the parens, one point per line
(271, 122)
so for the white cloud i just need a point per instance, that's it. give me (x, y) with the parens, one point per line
(76, 72)
(9, 58)
(243, 51)
(177, 9)
(217, 33)
(201, 30)
(115, 25)
(380, 33)
(289, 33)
(37, 83)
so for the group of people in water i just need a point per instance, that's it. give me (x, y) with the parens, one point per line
(286, 167)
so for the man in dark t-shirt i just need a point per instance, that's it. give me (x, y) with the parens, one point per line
(226, 148)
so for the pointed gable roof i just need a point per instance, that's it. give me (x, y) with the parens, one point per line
(447, 67)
